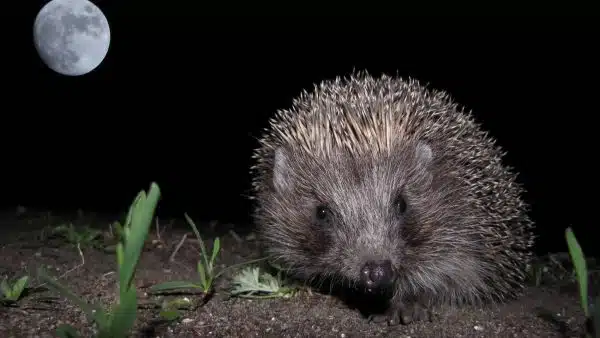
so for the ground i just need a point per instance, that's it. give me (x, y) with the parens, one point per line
(548, 311)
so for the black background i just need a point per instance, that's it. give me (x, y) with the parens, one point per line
(181, 98)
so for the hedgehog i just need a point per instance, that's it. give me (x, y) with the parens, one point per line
(387, 186)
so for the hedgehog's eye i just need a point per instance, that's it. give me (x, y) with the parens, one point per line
(400, 204)
(322, 212)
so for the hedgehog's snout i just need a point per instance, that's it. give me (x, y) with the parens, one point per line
(377, 274)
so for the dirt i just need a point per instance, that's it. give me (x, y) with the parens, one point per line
(548, 311)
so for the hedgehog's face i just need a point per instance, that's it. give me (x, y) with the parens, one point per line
(361, 219)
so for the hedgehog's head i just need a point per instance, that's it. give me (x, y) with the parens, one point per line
(364, 219)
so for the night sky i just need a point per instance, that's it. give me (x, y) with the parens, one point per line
(180, 100)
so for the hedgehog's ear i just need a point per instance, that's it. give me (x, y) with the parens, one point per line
(424, 153)
(282, 175)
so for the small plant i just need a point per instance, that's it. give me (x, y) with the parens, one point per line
(206, 268)
(118, 321)
(250, 283)
(12, 294)
(591, 313)
(82, 237)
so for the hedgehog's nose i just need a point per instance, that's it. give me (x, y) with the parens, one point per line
(376, 274)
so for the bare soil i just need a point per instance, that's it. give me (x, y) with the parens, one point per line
(548, 311)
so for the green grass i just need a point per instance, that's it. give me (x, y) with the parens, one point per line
(205, 268)
(11, 294)
(118, 321)
(82, 237)
(207, 273)
(579, 262)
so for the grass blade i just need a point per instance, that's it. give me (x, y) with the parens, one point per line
(216, 248)
(200, 241)
(141, 219)
(202, 274)
(580, 268)
(173, 285)
(123, 317)
(18, 288)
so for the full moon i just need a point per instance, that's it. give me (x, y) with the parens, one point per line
(71, 36)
